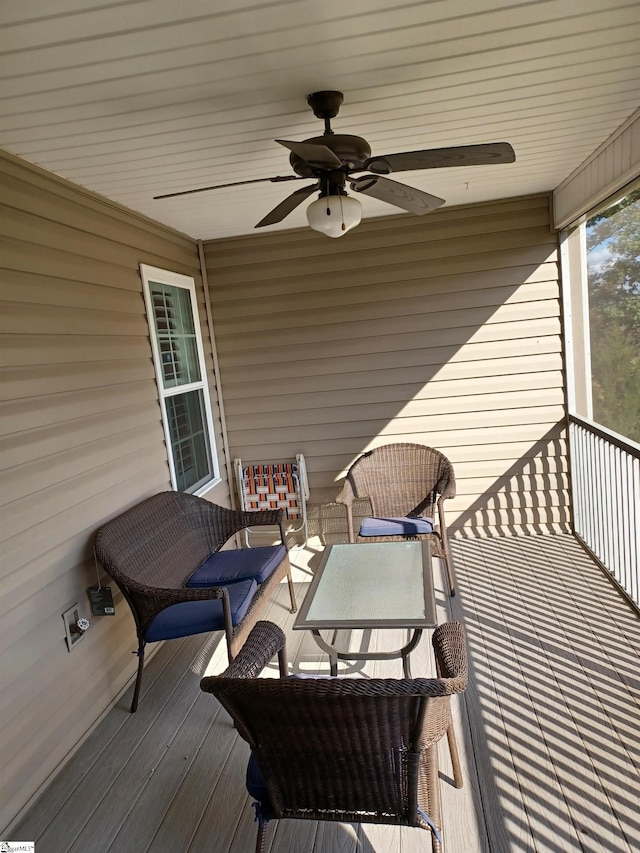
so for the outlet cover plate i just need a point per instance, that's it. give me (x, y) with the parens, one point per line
(70, 617)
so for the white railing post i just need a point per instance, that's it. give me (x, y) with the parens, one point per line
(605, 481)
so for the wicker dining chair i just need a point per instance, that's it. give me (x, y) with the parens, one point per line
(406, 486)
(344, 749)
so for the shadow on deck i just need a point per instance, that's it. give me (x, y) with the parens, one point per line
(549, 729)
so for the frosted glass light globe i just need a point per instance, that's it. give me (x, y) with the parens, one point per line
(334, 215)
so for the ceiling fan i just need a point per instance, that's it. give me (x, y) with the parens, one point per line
(333, 159)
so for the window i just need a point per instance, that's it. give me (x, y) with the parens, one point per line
(613, 274)
(181, 375)
(601, 275)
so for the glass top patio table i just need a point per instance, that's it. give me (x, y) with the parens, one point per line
(371, 585)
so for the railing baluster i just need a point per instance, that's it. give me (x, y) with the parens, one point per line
(635, 525)
(618, 530)
(609, 496)
(605, 477)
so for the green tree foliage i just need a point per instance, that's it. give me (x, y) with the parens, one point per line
(613, 253)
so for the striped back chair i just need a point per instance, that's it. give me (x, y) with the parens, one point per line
(275, 485)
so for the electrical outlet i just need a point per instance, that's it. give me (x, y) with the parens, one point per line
(74, 625)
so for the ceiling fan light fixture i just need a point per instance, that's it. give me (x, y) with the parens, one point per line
(334, 215)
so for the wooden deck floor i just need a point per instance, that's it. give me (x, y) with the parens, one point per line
(549, 730)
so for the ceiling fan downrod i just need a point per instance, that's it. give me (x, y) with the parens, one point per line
(325, 105)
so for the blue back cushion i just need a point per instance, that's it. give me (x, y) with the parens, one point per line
(225, 567)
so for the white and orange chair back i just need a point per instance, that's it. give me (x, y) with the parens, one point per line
(275, 485)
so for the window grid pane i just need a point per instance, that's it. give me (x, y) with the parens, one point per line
(189, 439)
(176, 334)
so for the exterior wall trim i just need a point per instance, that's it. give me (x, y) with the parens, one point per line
(609, 169)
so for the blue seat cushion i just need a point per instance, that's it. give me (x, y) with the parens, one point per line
(225, 567)
(402, 526)
(257, 788)
(199, 617)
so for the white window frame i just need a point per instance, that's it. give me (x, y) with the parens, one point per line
(577, 337)
(160, 276)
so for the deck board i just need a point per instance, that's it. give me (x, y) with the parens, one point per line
(39, 820)
(488, 704)
(548, 730)
(599, 705)
(529, 706)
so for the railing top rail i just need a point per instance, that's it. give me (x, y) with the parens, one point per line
(620, 441)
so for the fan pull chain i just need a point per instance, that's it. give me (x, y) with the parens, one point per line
(344, 227)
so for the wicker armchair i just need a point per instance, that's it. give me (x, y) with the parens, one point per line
(164, 554)
(405, 484)
(344, 749)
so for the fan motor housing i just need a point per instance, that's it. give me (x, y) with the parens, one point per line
(352, 151)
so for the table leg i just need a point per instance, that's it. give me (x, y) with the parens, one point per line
(406, 668)
(329, 649)
(406, 651)
(334, 654)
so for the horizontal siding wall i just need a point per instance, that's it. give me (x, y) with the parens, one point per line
(442, 330)
(80, 440)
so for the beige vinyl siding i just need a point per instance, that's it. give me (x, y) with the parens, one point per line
(81, 439)
(442, 330)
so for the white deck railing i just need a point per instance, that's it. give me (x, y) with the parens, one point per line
(605, 483)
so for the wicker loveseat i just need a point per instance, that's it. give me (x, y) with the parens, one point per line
(165, 555)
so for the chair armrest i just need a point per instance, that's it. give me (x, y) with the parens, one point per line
(263, 643)
(347, 495)
(255, 518)
(449, 492)
(221, 523)
(147, 601)
(265, 518)
(441, 519)
(449, 483)
(346, 499)
(175, 595)
(450, 648)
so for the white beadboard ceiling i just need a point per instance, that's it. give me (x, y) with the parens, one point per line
(134, 98)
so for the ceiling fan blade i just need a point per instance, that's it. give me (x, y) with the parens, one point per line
(286, 206)
(408, 198)
(277, 179)
(318, 156)
(487, 154)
